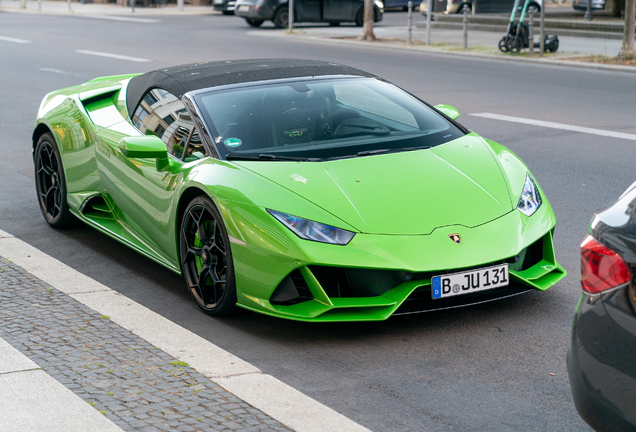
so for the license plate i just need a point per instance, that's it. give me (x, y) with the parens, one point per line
(244, 7)
(218, 1)
(470, 281)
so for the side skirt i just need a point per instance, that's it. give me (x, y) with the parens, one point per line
(95, 212)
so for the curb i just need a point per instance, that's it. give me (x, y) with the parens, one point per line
(268, 394)
(423, 50)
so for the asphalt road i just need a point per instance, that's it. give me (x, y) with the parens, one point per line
(481, 368)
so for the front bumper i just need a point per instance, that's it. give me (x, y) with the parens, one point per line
(224, 6)
(266, 258)
(255, 12)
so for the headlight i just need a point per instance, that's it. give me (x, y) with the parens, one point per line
(379, 4)
(310, 230)
(530, 200)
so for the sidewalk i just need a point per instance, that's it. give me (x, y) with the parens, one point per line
(77, 356)
(482, 41)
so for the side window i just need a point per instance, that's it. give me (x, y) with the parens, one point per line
(162, 114)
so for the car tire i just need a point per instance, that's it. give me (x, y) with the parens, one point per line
(334, 24)
(227, 12)
(281, 17)
(253, 22)
(360, 17)
(206, 258)
(50, 183)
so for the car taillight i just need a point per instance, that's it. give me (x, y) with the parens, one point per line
(601, 268)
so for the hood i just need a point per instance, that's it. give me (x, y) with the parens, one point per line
(457, 183)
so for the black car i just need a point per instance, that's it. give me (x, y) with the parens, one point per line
(225, 6)
(602, 358)
(333, 12)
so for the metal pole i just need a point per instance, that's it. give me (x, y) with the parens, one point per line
(429, 11)
(69, 6)
(588, 11)
(465, 22)
(531, 34)
(291, 16)
(39, 5)
(179, 5)
(409, 40)
(541, 36)
(133, 5)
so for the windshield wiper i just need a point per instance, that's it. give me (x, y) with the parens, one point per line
(413, 148)
(371, 152)
(262, 156)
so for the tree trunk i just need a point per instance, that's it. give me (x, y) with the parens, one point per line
(627, 49)
(367, 30)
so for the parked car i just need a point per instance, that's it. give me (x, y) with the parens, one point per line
(333, 12)
(225, 6)
(388, 4)
(489, 6)
(300, 189)
(602, 357)
(581, 5)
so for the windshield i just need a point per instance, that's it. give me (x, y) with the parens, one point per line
(320, 119)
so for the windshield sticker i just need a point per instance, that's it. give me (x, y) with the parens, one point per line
(295, 132)
(232, 142)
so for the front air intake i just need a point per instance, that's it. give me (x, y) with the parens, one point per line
(292, 290)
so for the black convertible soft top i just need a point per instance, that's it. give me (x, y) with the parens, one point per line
(179, 80)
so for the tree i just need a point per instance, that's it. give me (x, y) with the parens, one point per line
(627, 49)
(367, 30)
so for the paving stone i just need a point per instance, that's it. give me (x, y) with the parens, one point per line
(106, 364)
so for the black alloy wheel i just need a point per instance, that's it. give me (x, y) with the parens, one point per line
(281, 17)
(50, 183)
(206, 258)
(253, 22)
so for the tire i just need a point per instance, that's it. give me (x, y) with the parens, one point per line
(502, 44)
(514, 46)
(281, 17)
(360, 17)
(334, 24)
(253, 22)
(227, 12)
(50, 183)
(206, 258)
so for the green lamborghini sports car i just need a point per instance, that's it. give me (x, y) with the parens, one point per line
(301, 189)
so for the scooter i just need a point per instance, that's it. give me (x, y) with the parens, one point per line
(517, 37)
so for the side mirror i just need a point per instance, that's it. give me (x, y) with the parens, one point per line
(145, 147)
(448, 110)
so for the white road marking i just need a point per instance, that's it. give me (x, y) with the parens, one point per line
(547, 124)
(57, 71)
(120, 18)
(109, 55)
(10, 39)
(275, 398)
